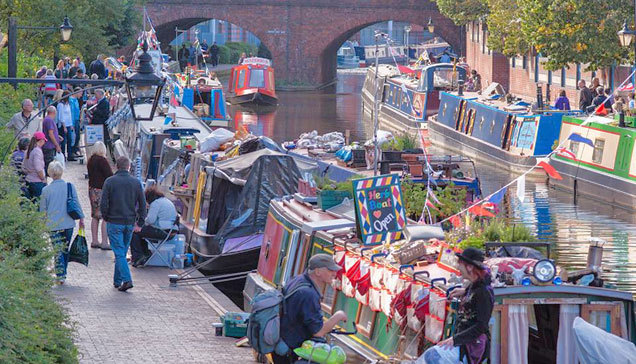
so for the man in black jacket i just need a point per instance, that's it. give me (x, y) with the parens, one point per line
(472, 338)
(123, 207)
(101, 113)
(97, 67)
(585, 96)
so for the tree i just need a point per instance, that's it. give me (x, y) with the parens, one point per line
(574, 31)
(503, 28)
(462, 12)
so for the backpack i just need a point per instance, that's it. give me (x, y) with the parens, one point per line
(263, 327)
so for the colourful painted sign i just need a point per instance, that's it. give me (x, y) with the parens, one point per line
(379, 208)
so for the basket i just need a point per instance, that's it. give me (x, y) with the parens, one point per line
(235, 324)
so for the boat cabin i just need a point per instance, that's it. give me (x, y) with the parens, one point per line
(253, 82)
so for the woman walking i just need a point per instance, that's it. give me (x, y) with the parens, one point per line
(59, 223)
(33, 166)
(98, 170)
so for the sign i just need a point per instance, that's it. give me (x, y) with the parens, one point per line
(379, 208)
(94, 133)
(257, 61)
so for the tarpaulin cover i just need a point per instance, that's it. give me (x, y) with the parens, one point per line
(265, 174)
(595, 345)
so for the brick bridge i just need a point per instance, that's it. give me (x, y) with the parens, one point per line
(302, 35)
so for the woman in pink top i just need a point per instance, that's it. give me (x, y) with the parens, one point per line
(33, 166)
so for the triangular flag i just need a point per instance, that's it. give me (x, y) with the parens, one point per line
(477, 210)
(455, 221)
(601, 110)
(521, 188)
(430, 204)
(578, 138)
(405, 69)
(565, 152)
(498, 196)
(550, 170)
(432, 195)
(628, 87)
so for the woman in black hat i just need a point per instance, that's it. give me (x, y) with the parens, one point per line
(471, 342)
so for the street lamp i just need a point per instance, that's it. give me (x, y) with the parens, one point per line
(407, 29)
(143, 85)
(12, 33)
(627, 37)
(430, 26)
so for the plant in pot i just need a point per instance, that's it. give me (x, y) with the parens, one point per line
(391, 151)
(331, 193)
(410, 152)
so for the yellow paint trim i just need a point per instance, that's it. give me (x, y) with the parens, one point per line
(361, 342)
(327, 250)
(279, 223)
(199, 197)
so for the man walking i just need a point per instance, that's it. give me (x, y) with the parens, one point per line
(101, 113)
(214, 54)
(19, 120)
(585, 96)
(123, 207)
(302, 319)
(53, 139)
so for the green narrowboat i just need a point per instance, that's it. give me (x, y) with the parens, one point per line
(596, 159)
(396, 293)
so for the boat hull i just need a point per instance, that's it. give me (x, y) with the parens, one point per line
(450, 139)
(390, 119)
(256, 98)
(595, 185)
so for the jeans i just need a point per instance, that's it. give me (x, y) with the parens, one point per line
(34, 190)
(76, 126)
(69, 141)
(139, 246)
(119, 236)
(61, 240)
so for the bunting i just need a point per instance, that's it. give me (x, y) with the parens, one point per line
(578, 138)
(550, 170)
(498, 196)
(565, 152)
(479, 210)
(521, 188)
(405, 69)
(456, 221)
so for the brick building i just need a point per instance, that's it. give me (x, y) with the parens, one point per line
(520, 75)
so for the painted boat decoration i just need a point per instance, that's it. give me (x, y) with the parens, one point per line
(252, 83)
(506, 136)
(405, 102)
(397, 299)
(598, 161)
(203, 94)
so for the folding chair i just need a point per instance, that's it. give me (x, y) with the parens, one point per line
(157, 243)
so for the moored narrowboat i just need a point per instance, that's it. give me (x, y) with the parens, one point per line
(252, 83)
(597, 160)
(203, 94)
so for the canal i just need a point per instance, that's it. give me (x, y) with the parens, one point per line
(549, 212)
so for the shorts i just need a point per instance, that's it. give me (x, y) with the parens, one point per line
(95, 195)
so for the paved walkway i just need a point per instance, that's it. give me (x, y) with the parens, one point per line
(152, 322)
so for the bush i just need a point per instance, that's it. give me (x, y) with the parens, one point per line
(35, 328)
(495, 230)
(230, 52)
(451, 199)
(10, 99)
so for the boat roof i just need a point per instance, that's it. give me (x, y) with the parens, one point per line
(564, 289)
(185, 120)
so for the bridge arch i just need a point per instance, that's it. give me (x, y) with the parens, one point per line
(302, 35)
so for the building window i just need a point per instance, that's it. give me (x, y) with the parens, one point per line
(512, 62)
(574, 147)
(597, 156)
(365, 320)
(525, 61)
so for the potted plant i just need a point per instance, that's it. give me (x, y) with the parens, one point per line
(410, 153)
(391, 151)
(331, 193)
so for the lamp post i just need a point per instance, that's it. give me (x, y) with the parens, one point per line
(407, 29)
(376, 107)
(627, 37)
(141, 84)
(12, 67)
(430, 25)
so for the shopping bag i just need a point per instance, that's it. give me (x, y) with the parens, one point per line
(60, 158)
(78, 250)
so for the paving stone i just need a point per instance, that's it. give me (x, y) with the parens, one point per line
(151, 323)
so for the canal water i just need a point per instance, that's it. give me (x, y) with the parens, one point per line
(550, 213)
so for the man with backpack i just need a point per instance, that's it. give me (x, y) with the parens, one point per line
(300, 314)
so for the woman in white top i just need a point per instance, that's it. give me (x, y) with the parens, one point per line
(65, 124)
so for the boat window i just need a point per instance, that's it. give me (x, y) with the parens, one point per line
(365, 320)
(443, 78)
(257, 78)
(574, 147)
(597, 156)
(328, 298)
(241, 79)
(205, 205)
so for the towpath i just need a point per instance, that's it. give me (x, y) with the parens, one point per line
(152, 322)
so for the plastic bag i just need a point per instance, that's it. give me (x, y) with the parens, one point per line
(216, 138)
(60, 158)
(78, 250)
(321, 353)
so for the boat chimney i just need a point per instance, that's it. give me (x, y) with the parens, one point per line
(460, 88)
(539, 97)
(595, 254)
(547, 93)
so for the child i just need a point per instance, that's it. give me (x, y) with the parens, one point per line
(17, 158)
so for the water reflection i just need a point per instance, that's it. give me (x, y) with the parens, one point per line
(549, 212)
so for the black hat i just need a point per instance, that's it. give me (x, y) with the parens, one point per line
(472, 256)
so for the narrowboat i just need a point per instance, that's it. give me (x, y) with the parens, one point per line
(252, 83)
(395, 294)
(347, 57)
(507, 136)
(405, 101)
(386, 54)
(203, 94)
(597, 160)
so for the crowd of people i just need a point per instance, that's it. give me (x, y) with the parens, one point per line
(190, 55)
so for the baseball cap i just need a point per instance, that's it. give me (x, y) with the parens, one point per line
(38, 135)
(323, 261)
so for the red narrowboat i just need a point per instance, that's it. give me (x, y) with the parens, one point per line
(252, 82)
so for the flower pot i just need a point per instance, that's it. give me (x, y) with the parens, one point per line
(392, 155)
(330, 198)
(416, 169)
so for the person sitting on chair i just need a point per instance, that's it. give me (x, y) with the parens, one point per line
(160, 221)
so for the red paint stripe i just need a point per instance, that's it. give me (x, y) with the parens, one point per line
(588, 163)
(589, 127)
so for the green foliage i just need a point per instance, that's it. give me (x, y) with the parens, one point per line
(391, 145)
(230, 52)
(35, 328)
(406, 141)
(451, 200)
(495, 230)
(326, 184)
(98, 26)
(503, 28)
(462, 12)
(10, 99)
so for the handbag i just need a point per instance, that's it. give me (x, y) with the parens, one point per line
(73, 209)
